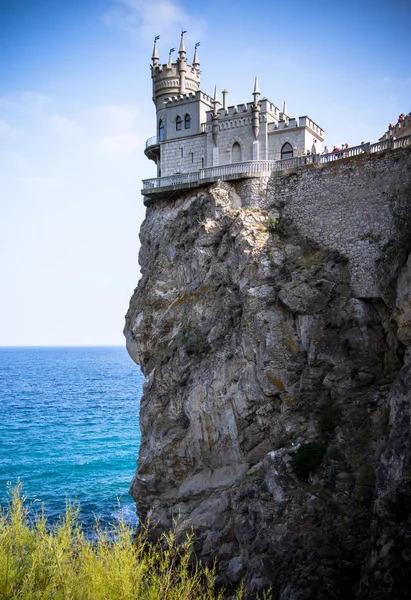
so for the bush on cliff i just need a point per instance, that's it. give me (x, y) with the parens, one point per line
(307, 458)
(59, 562)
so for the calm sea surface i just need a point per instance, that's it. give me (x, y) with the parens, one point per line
(69, 428)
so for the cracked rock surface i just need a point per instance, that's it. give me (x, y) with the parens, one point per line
(275, 418)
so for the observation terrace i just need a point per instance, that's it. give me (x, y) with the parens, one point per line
(160, 187)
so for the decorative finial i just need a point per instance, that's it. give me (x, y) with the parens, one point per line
(256, 86)
(256, 93)
(284, 108)
(154, 57)
(196, 62)
(169, 58)
(182, 46)
(216, 101)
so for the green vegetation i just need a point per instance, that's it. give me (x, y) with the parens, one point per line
(307, 458)
(280, 225)
(194, 341)
(272, 223)
(59, 563)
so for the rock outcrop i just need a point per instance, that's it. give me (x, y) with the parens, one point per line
(275, 418)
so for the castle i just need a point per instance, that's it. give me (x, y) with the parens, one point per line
(196, 131)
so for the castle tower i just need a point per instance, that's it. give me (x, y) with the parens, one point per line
(181, 107)
(174, 78)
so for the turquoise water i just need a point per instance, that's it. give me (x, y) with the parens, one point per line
(69, 428)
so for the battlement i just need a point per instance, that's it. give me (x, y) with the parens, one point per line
(199, 95)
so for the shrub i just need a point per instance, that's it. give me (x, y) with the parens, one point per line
(59, 562)
(307, 458)
(272, 223)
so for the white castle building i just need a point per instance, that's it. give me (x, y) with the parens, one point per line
(196, 131)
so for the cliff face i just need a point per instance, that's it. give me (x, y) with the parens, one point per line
(272, 322)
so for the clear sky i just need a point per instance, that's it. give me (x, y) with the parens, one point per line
(75, 111)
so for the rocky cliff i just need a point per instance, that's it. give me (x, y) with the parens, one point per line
(273, 324)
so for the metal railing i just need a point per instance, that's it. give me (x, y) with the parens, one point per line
(261, 167)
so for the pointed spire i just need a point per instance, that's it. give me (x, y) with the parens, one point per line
(196, 62)
(256, 93)
(216, 101)
(256, 86)
(169, 64)
(154, 57)
(284, 108)
(182, 49)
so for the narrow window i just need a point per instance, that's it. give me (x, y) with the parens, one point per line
(179, 123)
(187, 121)
(202, 162)
(236, 153)
(161, 130)
(192, 157)
(182, 152)
(287, 151)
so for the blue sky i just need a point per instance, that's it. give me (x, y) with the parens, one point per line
(75, 110)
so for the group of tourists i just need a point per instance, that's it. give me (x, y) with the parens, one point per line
(401, 118)
(336, 149)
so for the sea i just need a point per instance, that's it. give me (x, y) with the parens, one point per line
(69, 430)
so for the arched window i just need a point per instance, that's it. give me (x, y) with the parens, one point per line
(236, 153)
(179, 123)
(287, 151)
(187, 121)
(161, 130)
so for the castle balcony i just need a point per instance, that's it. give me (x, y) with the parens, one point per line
(165, 187)
(152, 148)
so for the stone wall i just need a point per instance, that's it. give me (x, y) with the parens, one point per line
(345, 206)
(300, 139)
(183, 155)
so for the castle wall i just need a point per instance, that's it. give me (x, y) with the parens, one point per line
(299, 138)
(179, 108)
(183, 155)
(346, 206)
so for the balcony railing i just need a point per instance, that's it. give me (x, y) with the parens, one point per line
(153, 141)
(246, 169)
(259, 168)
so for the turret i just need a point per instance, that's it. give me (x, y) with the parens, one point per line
(174, 78)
